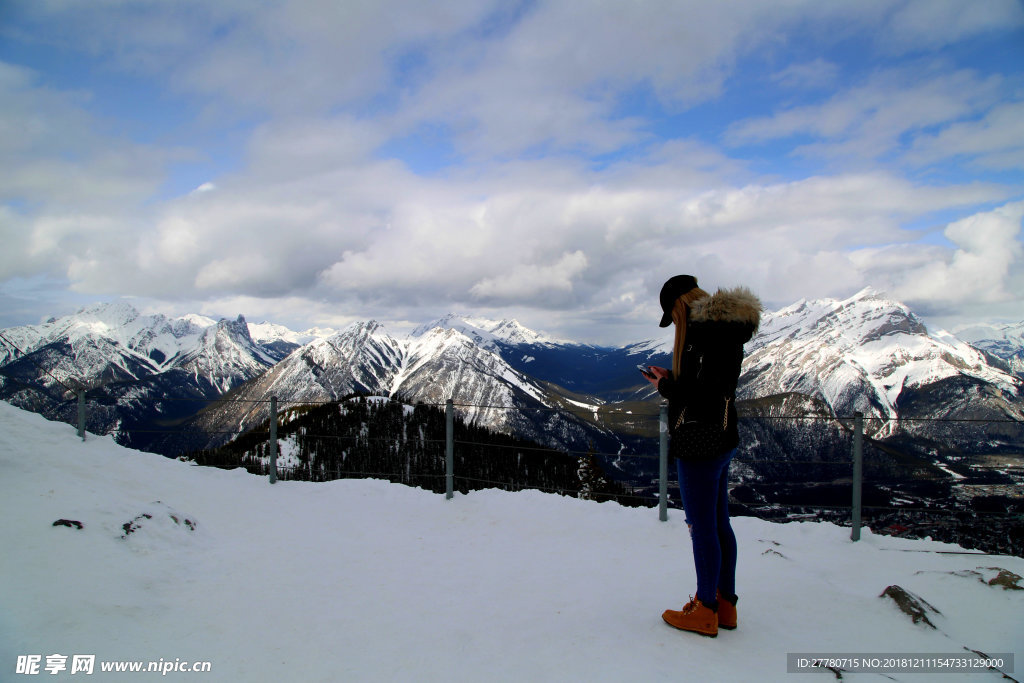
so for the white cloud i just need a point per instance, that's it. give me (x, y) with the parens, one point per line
(563, 198)
(995, 141)
(815, 74)
(539, 285)
(987, 256)
(376, 240)
(870, 120)
(555, 79)
(55, 154)
(16, 260)
(932, 24)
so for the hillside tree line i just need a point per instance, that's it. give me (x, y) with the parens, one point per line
(362, 436)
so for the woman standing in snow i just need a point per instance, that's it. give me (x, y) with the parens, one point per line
(709, 335)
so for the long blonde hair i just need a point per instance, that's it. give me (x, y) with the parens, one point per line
(679, 317)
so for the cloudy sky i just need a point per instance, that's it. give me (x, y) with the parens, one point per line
(315, 162)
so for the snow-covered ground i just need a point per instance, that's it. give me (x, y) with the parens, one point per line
(365, 580)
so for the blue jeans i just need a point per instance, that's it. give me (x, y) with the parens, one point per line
(705, 493)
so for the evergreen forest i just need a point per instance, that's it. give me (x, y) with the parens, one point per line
(374, 437)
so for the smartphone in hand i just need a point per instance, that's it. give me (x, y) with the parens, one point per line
(645, 371)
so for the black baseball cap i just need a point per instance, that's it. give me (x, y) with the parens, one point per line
(674, 288)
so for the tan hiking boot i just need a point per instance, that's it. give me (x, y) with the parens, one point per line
(726, 613)
(693, 617)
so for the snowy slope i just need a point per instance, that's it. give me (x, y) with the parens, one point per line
(368, 581)
(225, 356)
(446, 363)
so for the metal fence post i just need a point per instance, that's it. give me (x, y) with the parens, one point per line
(858, 472)
(663, 463)
(449, 449)
(81, 414)
(273, 439)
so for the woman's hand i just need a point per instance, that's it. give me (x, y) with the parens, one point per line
(655, 374)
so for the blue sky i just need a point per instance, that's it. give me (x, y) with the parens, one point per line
(317, 162)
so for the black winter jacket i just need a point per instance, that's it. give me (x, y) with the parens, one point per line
(716, 330)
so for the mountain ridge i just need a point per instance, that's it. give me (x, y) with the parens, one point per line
(436, 365)
(862, 354)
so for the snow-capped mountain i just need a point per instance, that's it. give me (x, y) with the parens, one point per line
(279, 341)
(488, 334)
(866, 353)
(445, 363)
(1004, 341)
(606, 373)
(487, 390)
(103, 343)
(141, 371)
(224, 356)
(431, 367)
(361, 358)
(871, 354)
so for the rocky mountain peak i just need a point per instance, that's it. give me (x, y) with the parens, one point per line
(235, 329)
(860, 353)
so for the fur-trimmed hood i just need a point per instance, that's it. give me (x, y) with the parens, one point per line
(736, 305)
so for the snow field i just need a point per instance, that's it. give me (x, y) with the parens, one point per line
(366, 580)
